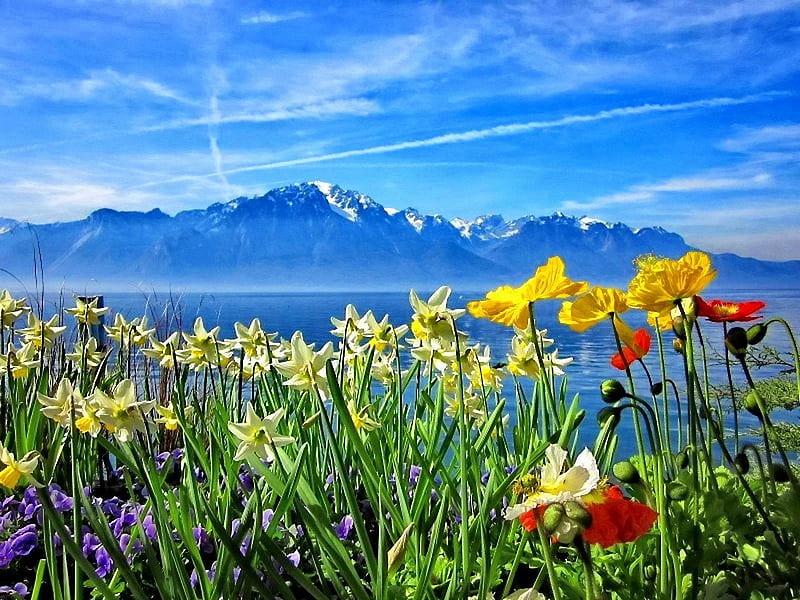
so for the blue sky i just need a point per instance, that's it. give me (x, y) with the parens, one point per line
(683, 114)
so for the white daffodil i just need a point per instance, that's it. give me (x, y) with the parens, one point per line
(129, 333)
(120, 412)
(163, 352)
(432, 319)
(59, 407)
(86, 354)
(556, 485)
(259, 437)
(11, 309)
(306, 368)
(39, 332)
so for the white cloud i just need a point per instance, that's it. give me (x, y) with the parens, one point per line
(264, 17)
(498, 131)
(770, 138)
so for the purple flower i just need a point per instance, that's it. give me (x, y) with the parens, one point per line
(344, 527)
(294, 558)
(104, 563)
(90, 544)
(24, 542)
(7, 554)
(61, 501)
(125, 541)
(149, 526)
(246, 480)
(19, 590)
(266, 518)
(413, 474)
(203, 540)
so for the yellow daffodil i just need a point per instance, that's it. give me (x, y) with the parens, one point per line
(259, 437)
(59, 407)
(11, 309)
(86, 420)
(432, 319)
(202, 347)
(87, 313)
(510, 306)
(120, 412)
(360, 419)
(661, 283)
(39, 332)
(20, 361)
(554, 484)
(14, 469)
(168, 418)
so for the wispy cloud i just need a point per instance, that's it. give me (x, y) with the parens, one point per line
(490, 132)
(94, 85)
(652, 191)
(264, 17)
(772, 138)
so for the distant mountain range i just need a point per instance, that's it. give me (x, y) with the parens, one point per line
(312, 236)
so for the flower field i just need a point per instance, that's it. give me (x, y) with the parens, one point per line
(144, 463)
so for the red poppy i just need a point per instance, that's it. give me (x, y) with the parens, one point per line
(720, 311)
(615, 519)
(641, 343)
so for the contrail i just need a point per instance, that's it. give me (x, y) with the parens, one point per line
(479, 134)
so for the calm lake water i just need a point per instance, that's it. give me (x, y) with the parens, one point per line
(311, 312)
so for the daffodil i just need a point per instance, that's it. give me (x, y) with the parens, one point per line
(662, 283)
(382, 334)
(129, 333)
(360, 419)
(306, 368)
(251, 339)
(202, 347)
(15, 469)
(524, 360)
(86, 354)
(11, 309)
(472, 406)
(435, 352)
(510, 306)
(39, 332)
(259, 437)
(555, 484)
(120, 412)
(86, 420)
(164, 351)
(432, 319)
(168, 418)
(19, 362)
(60, 406)
(87, 313)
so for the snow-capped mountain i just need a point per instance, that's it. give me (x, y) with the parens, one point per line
(320, 236)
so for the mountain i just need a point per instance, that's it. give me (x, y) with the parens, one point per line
(320, 236)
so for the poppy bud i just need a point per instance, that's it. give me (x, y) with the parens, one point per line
(756, 333)
(736, 341)
(577, 512)
(751, 403)
(610, 415)
(778, 472)
(742, 462)
(677, 345)
(677, 491)
(611, 391)
(626, 472)
(657, 388)
(682, 459)
(678, 328)
(552, 517)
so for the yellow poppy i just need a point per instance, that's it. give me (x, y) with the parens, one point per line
(592, 308)
(509, 305)
(661, 283)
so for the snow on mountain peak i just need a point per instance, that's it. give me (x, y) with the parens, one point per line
(346, 203)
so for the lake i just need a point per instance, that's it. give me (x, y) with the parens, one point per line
(310, 313)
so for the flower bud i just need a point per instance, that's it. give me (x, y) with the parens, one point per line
(742, 462)
(756, 333)
(552, 517)
(657, 388)
(678, 327)
(751, 403)
(677, 345)
(609, 415)
(777, 471)
(682, 459)
(611, 391)
(577, 512)
(736, 341)
(626, 472)
(677, 491)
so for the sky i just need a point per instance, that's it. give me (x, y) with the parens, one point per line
(682, 114)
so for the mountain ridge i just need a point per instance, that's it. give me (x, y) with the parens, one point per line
(318, 235)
